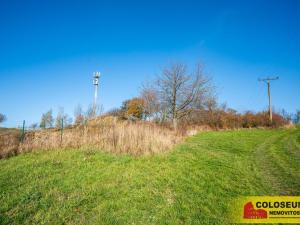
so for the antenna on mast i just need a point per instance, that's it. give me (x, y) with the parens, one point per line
(96, 84)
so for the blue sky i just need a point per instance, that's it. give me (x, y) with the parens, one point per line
(49, 50)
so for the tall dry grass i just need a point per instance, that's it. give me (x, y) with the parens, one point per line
(107, 134)
(9, 142)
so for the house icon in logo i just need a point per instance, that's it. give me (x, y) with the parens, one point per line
(251, 213)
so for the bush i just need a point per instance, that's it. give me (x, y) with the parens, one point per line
(230, 119)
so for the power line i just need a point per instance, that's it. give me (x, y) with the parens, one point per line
(268, 80)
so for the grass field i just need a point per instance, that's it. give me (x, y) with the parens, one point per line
(192, 184)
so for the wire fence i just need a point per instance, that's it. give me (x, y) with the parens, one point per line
(12, 138)
(107, 134)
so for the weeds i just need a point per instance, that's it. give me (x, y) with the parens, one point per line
(123, 137)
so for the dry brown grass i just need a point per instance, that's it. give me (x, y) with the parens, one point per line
(107, 134)
(9, 142)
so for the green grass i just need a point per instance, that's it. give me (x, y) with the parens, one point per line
(192, 184)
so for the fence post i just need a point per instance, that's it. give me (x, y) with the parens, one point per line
(23, 132)
(61, 130)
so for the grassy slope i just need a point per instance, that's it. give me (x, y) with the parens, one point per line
(190, 185)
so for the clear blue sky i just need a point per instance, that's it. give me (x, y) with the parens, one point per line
(49, 50)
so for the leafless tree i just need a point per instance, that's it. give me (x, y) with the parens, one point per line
(90, 112)
(47, 119)
(78, 115)
(180, 91)
(151, 102)
(34, 126)
(94, 111)
(297, 117)
(287, 116)
(2, 118)
(62, 119)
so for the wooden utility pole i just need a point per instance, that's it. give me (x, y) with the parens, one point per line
(268, 82)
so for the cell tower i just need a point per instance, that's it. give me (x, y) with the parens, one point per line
(96, 84)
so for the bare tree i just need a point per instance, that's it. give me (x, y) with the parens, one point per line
(78, 115)
(287, 116)
(100, 109)
(297, 117)
(180, 91)
(62, 117)
(34, 126)
(47, 120)
(2, 118)
(94, 111)
(151, 103)
(90, 112)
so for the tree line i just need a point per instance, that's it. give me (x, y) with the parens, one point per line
(188, 97)
(179, 95)
(62, 118)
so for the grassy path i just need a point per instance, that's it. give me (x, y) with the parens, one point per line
(279, 158)
(191, 185)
